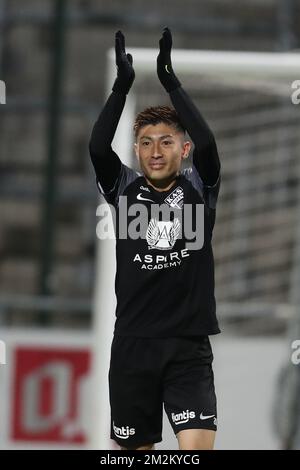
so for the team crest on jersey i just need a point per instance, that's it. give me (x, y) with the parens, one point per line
(162, 234)
(175, 198)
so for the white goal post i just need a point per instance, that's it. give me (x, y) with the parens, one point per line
(234, 66)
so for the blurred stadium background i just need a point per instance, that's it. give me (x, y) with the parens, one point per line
(53, 59)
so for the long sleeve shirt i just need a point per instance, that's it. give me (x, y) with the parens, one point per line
(164, 286)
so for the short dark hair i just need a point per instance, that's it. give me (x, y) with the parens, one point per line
(155, 115)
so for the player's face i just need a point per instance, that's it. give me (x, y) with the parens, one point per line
(160, 150)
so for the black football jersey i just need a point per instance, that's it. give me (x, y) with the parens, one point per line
(163, 286)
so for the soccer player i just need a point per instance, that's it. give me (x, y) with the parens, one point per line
(161, 353)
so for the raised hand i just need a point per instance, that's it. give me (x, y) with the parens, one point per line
(165, 71)
(125, 73)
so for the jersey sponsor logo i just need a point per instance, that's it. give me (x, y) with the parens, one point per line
(202, 416)
(183, 417)
(170, 260)
(175, 198)
(141, 198)
(123, 432)
(144, 188)
(162, 234)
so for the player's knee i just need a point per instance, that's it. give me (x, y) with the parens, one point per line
(145, 447)
(196, 439)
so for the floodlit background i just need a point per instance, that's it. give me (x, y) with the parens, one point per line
(53, 60)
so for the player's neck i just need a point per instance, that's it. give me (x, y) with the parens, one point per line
(162, 185)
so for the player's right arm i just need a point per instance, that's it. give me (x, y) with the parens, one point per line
(106, 162)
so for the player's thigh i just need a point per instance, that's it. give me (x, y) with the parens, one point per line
(189, 392)
(135, 394)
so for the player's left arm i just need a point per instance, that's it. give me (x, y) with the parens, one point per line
(205, 157)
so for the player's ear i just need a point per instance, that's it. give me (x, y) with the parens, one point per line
(186, 149)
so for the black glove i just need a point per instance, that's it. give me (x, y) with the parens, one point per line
(126, 75)
(165, 72)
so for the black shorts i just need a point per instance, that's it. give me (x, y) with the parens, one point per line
(147, 373)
